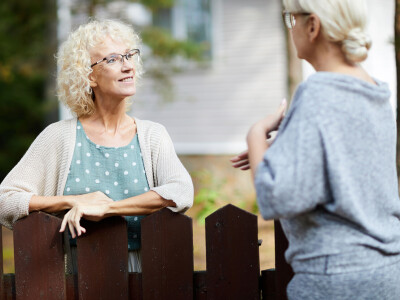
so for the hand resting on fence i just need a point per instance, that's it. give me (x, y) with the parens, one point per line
(96, 206)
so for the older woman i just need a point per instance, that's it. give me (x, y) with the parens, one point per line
(102, 162)
(330, 175)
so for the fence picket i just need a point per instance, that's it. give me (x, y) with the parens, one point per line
(39, 258)
(167, 256)
(284, 272)
(267, 284)
(103, 260)
(232, 254)
(135, 286)
(200, 285)
(71, 284)
(9, 287)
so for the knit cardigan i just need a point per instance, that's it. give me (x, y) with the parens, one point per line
(43, 170)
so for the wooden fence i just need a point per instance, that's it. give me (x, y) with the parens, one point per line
(233, 269)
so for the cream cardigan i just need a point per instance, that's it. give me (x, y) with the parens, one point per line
(43, 170)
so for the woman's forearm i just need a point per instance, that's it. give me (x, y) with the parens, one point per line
(259, 132)
(51, 204)
(96, 206)
(143, 204)
(256, 146)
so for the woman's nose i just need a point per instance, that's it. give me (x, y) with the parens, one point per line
(127, 64)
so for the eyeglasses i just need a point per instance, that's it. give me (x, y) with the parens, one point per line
(113, 58)
(289, 18)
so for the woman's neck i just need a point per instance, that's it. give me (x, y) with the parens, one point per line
(110, 116)
(332, 59)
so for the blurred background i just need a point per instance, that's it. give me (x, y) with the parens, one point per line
(213, 68)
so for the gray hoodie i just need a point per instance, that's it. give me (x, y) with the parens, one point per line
(330, 176)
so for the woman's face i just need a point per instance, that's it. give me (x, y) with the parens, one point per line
(112, 80)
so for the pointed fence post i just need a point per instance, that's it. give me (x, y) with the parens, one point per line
(283, 271)
(268, 284)
(233, 265)
(135, 286)
(9, 287)
(39, 258)
(71, 286)
(200, 285)
(102, 254)
(167, 256)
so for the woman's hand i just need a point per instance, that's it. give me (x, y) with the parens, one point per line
(270, 123)
(257, 135)
(260, 131)
(93, 207)
(241, 161)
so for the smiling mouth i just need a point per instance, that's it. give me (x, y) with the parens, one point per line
(127, 79)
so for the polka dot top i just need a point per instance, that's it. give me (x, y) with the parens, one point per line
(118, 172)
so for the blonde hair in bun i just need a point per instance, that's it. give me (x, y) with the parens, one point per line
(356, 45)
(342, 21)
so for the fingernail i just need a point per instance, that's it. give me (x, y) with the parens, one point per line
(283, 101)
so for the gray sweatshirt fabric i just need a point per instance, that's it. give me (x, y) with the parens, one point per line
(330, 177)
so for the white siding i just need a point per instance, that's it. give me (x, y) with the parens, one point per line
(214, 107)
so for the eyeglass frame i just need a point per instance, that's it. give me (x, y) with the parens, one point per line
(122, 57)
(292, 18)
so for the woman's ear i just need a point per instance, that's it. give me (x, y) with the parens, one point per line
(92, 79)
(313, 27)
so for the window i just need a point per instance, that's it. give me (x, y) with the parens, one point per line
(188, 20)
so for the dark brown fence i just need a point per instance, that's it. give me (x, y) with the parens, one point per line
(233, 269)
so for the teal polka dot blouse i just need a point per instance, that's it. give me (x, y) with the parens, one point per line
(118, 172)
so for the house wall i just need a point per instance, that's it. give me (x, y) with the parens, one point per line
(214, 106)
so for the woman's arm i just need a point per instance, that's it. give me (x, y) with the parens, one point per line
(171, 180)
(143, 204)
(50, 204)
(99, 209)
(37, 173)
(291, 178)
(53, 204)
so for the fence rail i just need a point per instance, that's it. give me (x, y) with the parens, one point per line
(232, 257)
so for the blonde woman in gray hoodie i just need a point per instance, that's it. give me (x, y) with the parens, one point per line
(330, 175)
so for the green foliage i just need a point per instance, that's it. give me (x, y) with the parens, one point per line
(157, 4)
(209, 197)
(165, 49)
(8, 257)
(23, 62)
(164, 46)
(254, 207)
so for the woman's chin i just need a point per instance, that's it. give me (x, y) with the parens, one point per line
(129, 93)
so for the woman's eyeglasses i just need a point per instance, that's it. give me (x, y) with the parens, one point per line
(289, 18)
(113, 58)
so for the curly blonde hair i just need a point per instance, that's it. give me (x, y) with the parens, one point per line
(73, 60)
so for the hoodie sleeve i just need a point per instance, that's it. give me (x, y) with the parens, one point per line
(291, 179)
